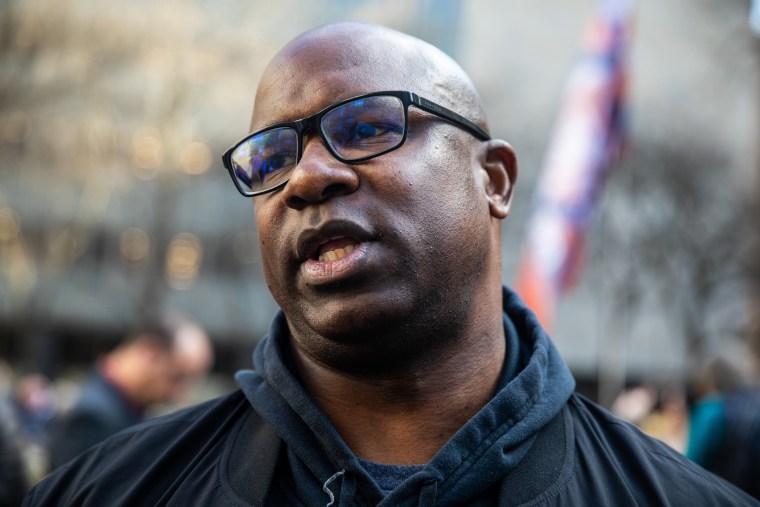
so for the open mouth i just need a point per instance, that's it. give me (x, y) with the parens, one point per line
(335, 249)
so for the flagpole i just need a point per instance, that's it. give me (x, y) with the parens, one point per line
(611, 345)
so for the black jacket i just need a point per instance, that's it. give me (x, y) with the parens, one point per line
(99, 412)
(535, 443)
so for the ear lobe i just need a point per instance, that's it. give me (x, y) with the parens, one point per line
(499, 165)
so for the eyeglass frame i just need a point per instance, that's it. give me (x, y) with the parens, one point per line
(314, 123)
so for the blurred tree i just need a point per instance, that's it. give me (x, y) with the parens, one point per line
(681, 222)
(681, 212)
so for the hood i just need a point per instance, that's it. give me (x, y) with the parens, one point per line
(534, 387)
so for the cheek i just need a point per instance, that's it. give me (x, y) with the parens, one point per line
(265, 228)
(453, 216)
(443, 159)
(270, 244)
(442, 189)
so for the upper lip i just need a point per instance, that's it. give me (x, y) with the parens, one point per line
(309, 240)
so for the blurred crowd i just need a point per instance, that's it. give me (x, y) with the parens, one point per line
(714, 419)
(44, 423)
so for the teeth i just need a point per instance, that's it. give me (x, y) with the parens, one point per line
(338, 253)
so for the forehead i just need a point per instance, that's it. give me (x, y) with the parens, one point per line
(314, 72)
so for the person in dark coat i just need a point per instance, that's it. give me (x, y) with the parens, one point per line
(398, 371)
(14, 482)
(724, 425)
(154, 365)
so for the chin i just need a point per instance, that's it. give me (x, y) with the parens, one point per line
(359, 320)
(373, 335)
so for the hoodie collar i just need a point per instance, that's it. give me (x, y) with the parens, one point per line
(535, 385)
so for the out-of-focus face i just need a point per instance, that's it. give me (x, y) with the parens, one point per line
(356, 253)
(160, 378)
(168, 375)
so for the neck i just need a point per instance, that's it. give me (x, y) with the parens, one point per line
(406, 418)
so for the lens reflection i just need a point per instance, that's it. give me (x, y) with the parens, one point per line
(365, 127)
(264, 160)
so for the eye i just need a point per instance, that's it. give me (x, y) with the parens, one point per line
(365, 130)
(278, 161)
(365, 134)
(269, 166)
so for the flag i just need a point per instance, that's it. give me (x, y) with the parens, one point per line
(586, 141)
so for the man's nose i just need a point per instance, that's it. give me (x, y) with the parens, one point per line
(318, 177)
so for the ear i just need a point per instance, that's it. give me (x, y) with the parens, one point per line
(499, 170)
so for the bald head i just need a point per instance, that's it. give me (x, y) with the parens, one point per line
(192, 349)
(352, 58)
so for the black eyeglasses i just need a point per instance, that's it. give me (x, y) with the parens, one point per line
(354, 130)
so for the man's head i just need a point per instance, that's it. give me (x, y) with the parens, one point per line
(420, 224)
(161, 361)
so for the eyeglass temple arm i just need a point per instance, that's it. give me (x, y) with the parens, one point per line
(448, 114)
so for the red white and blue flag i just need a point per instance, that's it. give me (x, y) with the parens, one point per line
(586, 142)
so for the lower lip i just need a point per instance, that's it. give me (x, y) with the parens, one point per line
(317, 272)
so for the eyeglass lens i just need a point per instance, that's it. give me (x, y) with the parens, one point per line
(358, 129)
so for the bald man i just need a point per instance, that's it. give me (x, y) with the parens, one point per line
(399, 371)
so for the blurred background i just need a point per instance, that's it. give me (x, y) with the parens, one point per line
(114, 201)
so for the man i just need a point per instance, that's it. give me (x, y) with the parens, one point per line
(399, 371)
(153, 366)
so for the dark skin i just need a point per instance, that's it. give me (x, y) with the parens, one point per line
(401, 341)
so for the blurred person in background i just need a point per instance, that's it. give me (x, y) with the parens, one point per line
(724, 425)
(658, 411)
(14, 480)
(30, 405)
(35, 406)
(669, 417)
(158, 364)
